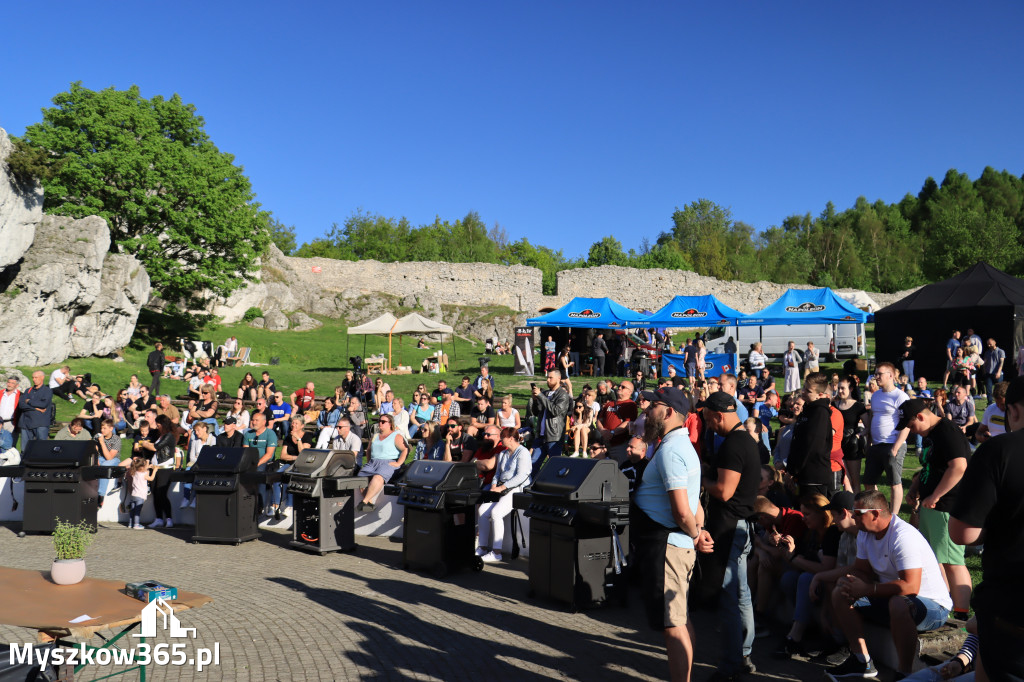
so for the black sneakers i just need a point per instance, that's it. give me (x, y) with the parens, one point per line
(853, 669)
(789, 649)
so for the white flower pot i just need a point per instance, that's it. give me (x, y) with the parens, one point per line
(67, 571)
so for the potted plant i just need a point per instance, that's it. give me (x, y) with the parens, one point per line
(70, 541)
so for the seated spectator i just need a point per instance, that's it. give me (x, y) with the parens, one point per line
(200, 437)
(438, 394)
(247, 387)
(381, 389)
(282, 416)
(347, 438)
(74, 430)
(805, 557)
(402, 418)
(481, 417)
(597, 450)
(140, 405)
(261, 408)
(327, 424)
(459, 445)
(239, 413)
(961, 411)
(581, 421)
(349, 384)
(142, 441)
(113, 408)
(231, 436)
(388, 451)
(508, 415)
(424, 413)
(175, 369)
(636, 462)
(356, 416)
(421, 344)
(212, 378)
(206, 408)
(896, 581)
(430, 445)
(386, 406)
(769, 553)
(483, 387)
(485, 456)
(133, 387)
(464, 396)
(446, 409)
(959, 667)
(266, 388)
(61, 384)
(511, 475)
(773, 487)
(92, 413)
(756, 430)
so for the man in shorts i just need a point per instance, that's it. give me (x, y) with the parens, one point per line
(887, 445)
(908, 595)
(668, 519)
(944, 454)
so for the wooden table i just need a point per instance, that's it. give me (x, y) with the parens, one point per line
(29, 599)
(380, 363)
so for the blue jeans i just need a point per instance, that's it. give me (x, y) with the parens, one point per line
(37, 433)
(135, 510)
(275, 491)
(575, 359)
(908, 369)
(541, 451)
(797, 585)
(990, 382)
(107, 483)
(735, 605)
(927, 614)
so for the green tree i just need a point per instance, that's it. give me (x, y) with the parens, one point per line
(608, 251)
(282, 235)
(963, 237)
(170, 197)
(701, 231)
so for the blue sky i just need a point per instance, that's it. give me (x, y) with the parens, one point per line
(562, 121)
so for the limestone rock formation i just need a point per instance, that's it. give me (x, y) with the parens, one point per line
(68, 295)
(21, 209)
(301, 322)
(258, 323)
(275, 321)
(7, 372)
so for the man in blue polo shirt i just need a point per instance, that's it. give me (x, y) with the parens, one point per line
(668, 518)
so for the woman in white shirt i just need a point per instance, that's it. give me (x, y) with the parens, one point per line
(401, 417)
(508, 415)
(238, 411)
(756, 358)
(511, 474)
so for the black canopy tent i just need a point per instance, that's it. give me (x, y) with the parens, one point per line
(981, 298)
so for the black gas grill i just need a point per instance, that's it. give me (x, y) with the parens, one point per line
(226, 488)
(440, 501)
(579, 516)
(61, 482)
(322, 483)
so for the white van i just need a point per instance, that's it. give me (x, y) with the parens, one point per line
(835, 341)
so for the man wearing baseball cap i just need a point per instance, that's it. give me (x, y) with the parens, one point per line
(231, 436)
(731, 480)
(945, 452)
(989, 509)
(665, 522)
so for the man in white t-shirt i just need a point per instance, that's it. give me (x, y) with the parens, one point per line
(993, 422)
(909, 595)
(888, 445)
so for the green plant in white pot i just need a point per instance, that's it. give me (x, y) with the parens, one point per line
(70, 541)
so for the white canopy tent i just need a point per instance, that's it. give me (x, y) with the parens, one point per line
(413, 323)
(860, 299)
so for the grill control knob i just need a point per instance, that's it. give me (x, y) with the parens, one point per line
(564, 512)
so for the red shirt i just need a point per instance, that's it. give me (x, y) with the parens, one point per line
(837, 438)
(613, 414)
(791, 523)
(488, 453)
(304, 399)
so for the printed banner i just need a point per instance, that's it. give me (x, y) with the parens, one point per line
(714, 363)
(523, 365)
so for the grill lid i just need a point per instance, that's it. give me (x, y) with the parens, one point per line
(324, 463)
(575, 479)
(213, 459)
(59, 454)
(442, 476)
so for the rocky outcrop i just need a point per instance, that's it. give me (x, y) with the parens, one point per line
(21, 209)
(8, 372)
(68, 296)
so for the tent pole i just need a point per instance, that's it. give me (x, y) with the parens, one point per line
(389, 349)
(347, 339)
(364, 346)
(455, 353)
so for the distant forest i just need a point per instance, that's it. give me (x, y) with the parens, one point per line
(876, 246)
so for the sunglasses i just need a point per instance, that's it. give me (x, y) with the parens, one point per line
(864, 511)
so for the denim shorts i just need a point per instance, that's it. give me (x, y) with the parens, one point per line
(927, 614)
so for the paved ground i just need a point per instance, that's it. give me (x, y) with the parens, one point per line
(280, 614)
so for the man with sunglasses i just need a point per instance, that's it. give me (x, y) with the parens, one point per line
(614, 419)
(908, 595)
(887, 445)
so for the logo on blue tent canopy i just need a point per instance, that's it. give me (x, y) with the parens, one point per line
(588, 314)
(805, 308)
(692, 312)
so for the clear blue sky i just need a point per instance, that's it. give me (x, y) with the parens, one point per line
(562, 121)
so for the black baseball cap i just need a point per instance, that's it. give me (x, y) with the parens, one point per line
(909, 410)
(230, 420)
(720, 401)
(670, 396)
(841, 500)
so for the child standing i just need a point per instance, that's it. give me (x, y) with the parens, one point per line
(140, 473)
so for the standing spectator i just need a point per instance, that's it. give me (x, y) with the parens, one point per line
(702, 353)
(574, 355)
(961, 411)
(550, 409)
(907, 357)
(614, 419)
(757, 359)
(895, 580)
(935, 488)
(667, 519)
(888, 444)
(993, 422)
(993, 360)
(155, 362)
(9, 408)
(1020, 361)
(811, 357)
(165, 457)
(549, 354)
(598, 349)
(972, 339)
(855, 423)
(989, 510)
(951, 346)
(734, 473)
(564, 364)
(810, 453)
(791, 360)
(36, 407)
(690, 361)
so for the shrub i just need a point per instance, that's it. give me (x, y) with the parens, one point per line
(251, 314)
(70, 540)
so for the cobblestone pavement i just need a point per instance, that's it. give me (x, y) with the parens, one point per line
(281, 614)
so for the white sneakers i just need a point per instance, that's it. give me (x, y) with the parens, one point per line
(158, 523)
(491, 557)
(138, 526)
(184, 503)
(169, 524)
(480, 551)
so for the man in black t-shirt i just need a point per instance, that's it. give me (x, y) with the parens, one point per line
(480, 417)
(464, 396)
(731, 479)
(990, 509)
(266, 388)
(458, 443)
(944, 456)
(809, 456)
(231, 437)
(437, 395)
(636, 462)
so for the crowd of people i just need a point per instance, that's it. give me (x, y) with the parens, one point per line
(789, 475)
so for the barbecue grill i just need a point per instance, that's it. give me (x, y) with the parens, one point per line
(322, 483)
(579, 535)
(61, 482)
(440, 501)
(226, 489)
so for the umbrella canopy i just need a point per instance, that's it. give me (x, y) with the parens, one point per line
(694, 311)
(590, 313)
(414, 323)
(382, 325)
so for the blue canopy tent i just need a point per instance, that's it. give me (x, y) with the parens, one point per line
(806, 306)
(591, 313)
(695, 311)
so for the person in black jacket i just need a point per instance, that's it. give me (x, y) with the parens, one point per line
(551, 408)
(155, 363)
(809, 456)
(231, 436)
(35, 405)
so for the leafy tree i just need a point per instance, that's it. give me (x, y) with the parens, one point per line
(700, 230)
(963, 237)
(149, 169)
(608, 251)
(282, 235)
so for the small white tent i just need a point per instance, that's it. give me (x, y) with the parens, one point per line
(413, 323)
